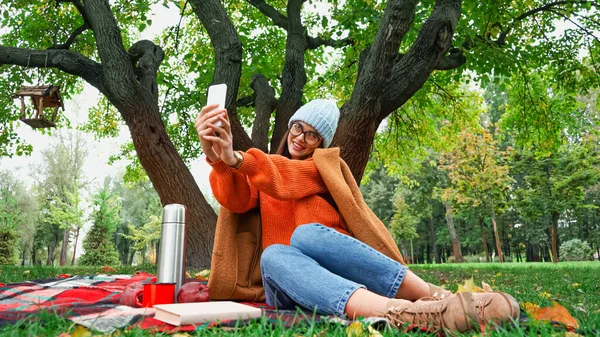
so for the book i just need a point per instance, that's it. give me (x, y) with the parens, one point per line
(203, 312)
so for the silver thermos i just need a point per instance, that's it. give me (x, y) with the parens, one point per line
(171, 256)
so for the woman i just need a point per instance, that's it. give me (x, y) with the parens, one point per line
(323, 249)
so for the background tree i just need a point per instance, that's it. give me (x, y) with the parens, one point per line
(139, 202)
(69, 214)
(61, 174)
(478, 175)
(98, 245)
(11, 217)
(382, 63)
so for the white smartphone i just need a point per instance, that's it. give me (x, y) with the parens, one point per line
(216, 95)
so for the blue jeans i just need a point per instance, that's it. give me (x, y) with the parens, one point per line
(322, 268)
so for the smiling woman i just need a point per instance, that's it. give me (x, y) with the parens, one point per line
(311, 127)
(301, 215)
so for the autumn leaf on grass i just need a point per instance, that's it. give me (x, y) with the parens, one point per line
(470, 287)
(356, 329)
(202, 275)
(556, 313)
(467, 287)
(81, 331)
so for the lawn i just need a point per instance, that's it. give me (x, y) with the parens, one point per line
(574, 285)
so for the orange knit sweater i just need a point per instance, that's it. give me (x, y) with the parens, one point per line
(289, 193)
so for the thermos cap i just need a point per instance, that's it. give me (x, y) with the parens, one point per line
(173, 213)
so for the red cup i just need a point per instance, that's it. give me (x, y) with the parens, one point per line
(155, 293)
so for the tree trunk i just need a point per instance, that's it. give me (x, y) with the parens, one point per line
(436, 253)
(483, 240)
(456, 248)
(496, 235)
(172, 180)
(64, 248)
(554, 235)
(75, 246)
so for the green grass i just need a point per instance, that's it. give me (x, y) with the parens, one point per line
(575, 285)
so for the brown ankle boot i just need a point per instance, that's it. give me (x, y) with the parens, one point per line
(438, 293)
(455, 313)
(496, 307)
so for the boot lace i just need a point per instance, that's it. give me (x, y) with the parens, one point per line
(428, 316)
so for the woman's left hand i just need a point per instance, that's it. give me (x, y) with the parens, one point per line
(223, 143)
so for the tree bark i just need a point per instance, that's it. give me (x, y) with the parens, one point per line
(483, 240)
(456, 248)
(64, 248)
(496, 236)
(554, 235)
(75, 246)
(434, 246)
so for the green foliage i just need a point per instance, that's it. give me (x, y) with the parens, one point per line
(146, 234)
(378, 193)
(8, 241)
(139, 203)
(476, 170)
(575, 250)
(544, 115)
(98, 245)
(402, 225)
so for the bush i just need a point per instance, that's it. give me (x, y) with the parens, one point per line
(575, 250)
(474, 258)
(8, 241)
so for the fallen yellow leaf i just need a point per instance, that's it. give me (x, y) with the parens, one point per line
(545, 294)
(81, 331)
(530, 308)
(467, 287)
(355, 329)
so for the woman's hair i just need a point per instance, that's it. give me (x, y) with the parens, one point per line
(284, 150)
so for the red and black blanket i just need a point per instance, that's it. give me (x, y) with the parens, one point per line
(93, 301)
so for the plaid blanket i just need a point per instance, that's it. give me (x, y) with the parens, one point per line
(93, 301)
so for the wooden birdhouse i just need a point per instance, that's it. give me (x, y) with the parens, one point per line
(42, 97)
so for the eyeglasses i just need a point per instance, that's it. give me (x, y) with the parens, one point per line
(310, 137)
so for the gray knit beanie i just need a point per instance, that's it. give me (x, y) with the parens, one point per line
(321, 114)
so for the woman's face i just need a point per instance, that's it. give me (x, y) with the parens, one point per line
(302, 140)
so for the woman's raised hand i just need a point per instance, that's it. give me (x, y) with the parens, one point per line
(221, 138)
(204, 124)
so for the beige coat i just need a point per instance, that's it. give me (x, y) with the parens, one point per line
(235, 271)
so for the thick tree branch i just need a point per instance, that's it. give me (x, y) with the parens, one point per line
(264, 103)
(64, 60)
(278, 19)
(376, 67)
(228, 60)
(425, 55)
(293, 76)
(454, 59)
(118, 75)
(316, 42)
(72, 37)
(146, 58)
